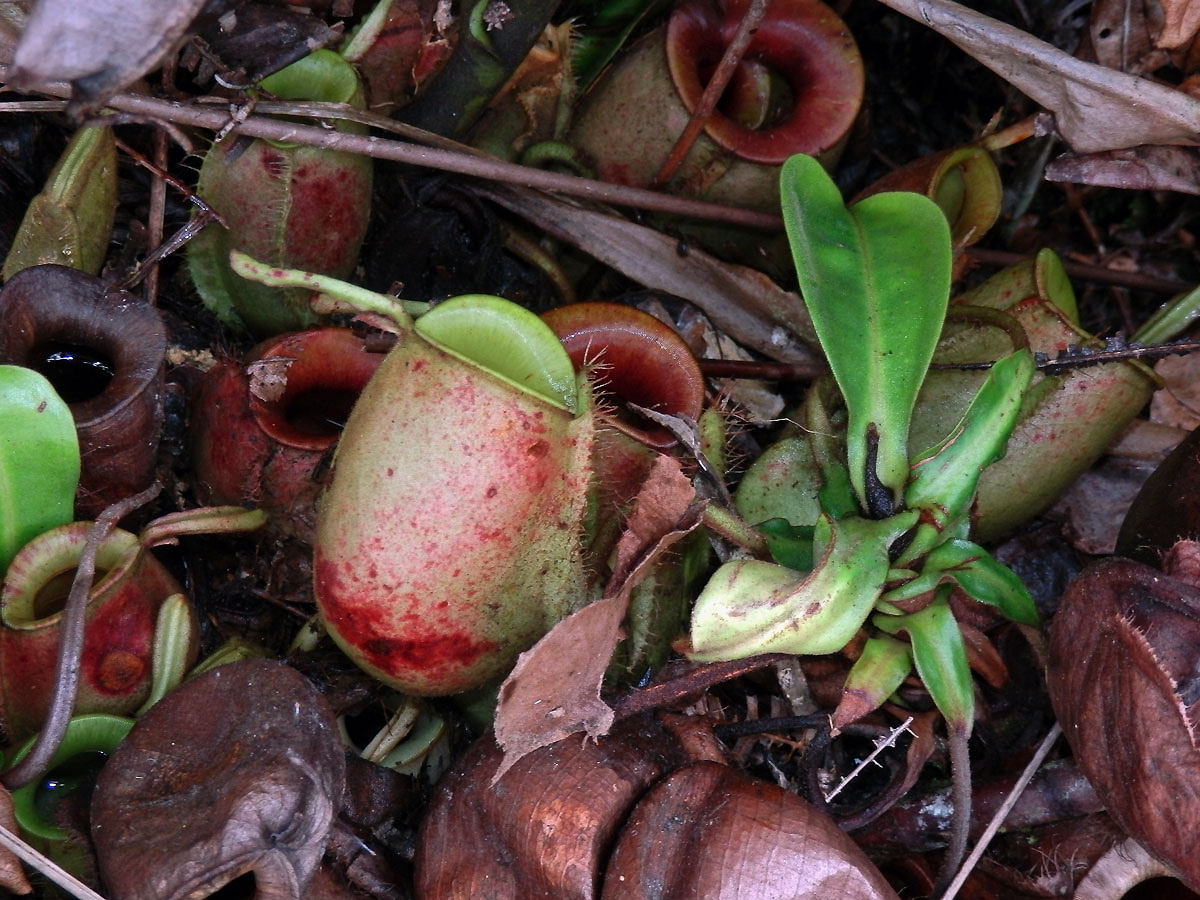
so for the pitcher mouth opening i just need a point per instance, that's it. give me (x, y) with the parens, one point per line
(323, 373)
(40, 576)
(797, 90)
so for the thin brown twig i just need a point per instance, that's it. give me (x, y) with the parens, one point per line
(70, 643)
(695, 680)
(458, 161)
(1086, 272)
(713, 90)
(156, 217)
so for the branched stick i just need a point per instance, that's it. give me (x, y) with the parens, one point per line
(882, 744)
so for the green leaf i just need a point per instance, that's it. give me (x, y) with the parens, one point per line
(790, 545)
(944, 478)
(750, 607)
(39, 460)
(883, 664)
(876, 279)
(940, 657)
(506, 340)
(978, 573)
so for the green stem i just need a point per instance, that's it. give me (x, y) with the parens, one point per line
(734, 528)
(960, 792)
(399, 311)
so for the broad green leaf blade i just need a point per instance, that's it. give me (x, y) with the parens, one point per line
(876, 279)
(944, 478)
(883, 664)
(940, 657)
(507, 340)
(750, 607)
(983, 578)
(39, 460)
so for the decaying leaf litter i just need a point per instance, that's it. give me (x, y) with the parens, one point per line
(1117, 128)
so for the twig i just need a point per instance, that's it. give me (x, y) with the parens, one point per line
(70, 646)
(1002, 813)
(1135, 280)
(459, 161)
(48, 867)
(1076, 357)
(695, 679)
(713, 90)
(882, 744)
(1006, 137)
(764, 371)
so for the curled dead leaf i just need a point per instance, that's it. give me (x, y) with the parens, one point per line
(239, 772)
(1145, 168)
(1124, 680)
(756, 841)
(554, 689)
(545, 827)
(1167, 508)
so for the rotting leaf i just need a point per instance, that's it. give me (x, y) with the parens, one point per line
(1121, 35)
(1145, 168)
(1094, 108)
(1167, 508)
(100, 47)
(238, 771)
(1123, 680)
(554, 689)
(756, 841)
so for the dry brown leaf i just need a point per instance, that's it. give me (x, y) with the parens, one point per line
(1146, 168)
(12, 876)
(742, 302)
(1181, 21)
(240, 770)
(100, 46)
(1094, 108)
(554, 689)
(1177, 402)
(1121, 35)
(707, 831)
(1095, 505)
(547, 827)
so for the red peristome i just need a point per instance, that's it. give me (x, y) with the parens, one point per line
(635, 357)
(804, 42)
